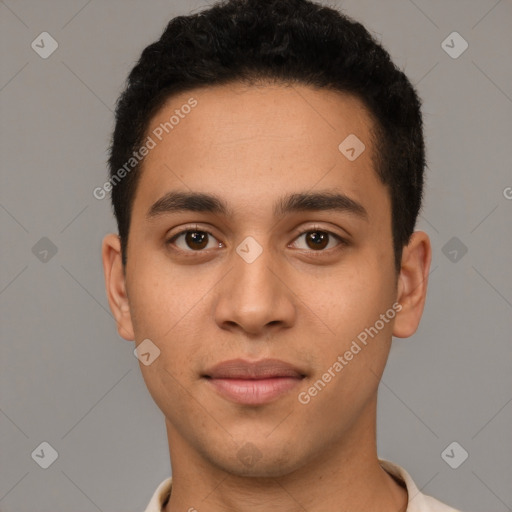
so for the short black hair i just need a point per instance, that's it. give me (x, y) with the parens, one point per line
(280, 41)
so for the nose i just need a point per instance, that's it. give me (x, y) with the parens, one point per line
(254, 296)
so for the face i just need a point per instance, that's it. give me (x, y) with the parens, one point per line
(290, 259)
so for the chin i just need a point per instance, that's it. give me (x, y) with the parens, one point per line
(262, 469)
(254, 462)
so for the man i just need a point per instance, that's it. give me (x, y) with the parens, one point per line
(266, 172)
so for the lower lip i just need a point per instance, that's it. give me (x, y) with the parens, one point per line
(254, 392)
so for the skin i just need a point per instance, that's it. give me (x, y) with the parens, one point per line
(250, 145)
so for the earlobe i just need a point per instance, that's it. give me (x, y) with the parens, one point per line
(412, 284)
(115, 285)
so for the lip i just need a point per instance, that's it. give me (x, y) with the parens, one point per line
(253, 383)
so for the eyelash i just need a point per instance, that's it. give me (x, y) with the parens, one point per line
(313, 229)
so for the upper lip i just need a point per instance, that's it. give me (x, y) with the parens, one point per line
(264, 369)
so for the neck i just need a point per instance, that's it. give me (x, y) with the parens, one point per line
(344, 476)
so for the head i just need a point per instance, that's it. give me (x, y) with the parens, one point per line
(266, 122)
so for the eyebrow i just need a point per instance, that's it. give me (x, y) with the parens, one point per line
(306, 201)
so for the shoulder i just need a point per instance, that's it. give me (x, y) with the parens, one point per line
(160, 496)
(418, 502)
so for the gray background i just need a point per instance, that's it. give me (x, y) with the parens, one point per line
(68, 379)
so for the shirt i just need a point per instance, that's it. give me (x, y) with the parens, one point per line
(418, 502)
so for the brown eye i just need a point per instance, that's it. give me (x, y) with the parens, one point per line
(193, 240)
(318, 240)
(196, 239)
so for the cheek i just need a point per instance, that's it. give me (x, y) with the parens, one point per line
(159, 299)
(163, 310)
(349, 366)
(167, 311)
(351, 304)
(350, 300)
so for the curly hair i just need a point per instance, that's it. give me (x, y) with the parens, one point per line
(282, 41)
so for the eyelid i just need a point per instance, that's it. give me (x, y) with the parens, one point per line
(316, 227)
(189, 227)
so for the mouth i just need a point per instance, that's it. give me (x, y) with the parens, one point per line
(253, 383)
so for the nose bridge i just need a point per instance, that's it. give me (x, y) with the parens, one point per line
(251, 270)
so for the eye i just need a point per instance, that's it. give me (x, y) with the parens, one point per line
(319, 240)
(194, 240)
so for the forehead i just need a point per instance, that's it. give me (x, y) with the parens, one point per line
(251, 143)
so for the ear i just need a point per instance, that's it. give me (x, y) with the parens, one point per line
(115, 284)
(412, 284)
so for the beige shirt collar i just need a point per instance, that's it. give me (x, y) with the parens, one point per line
(418, 502)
